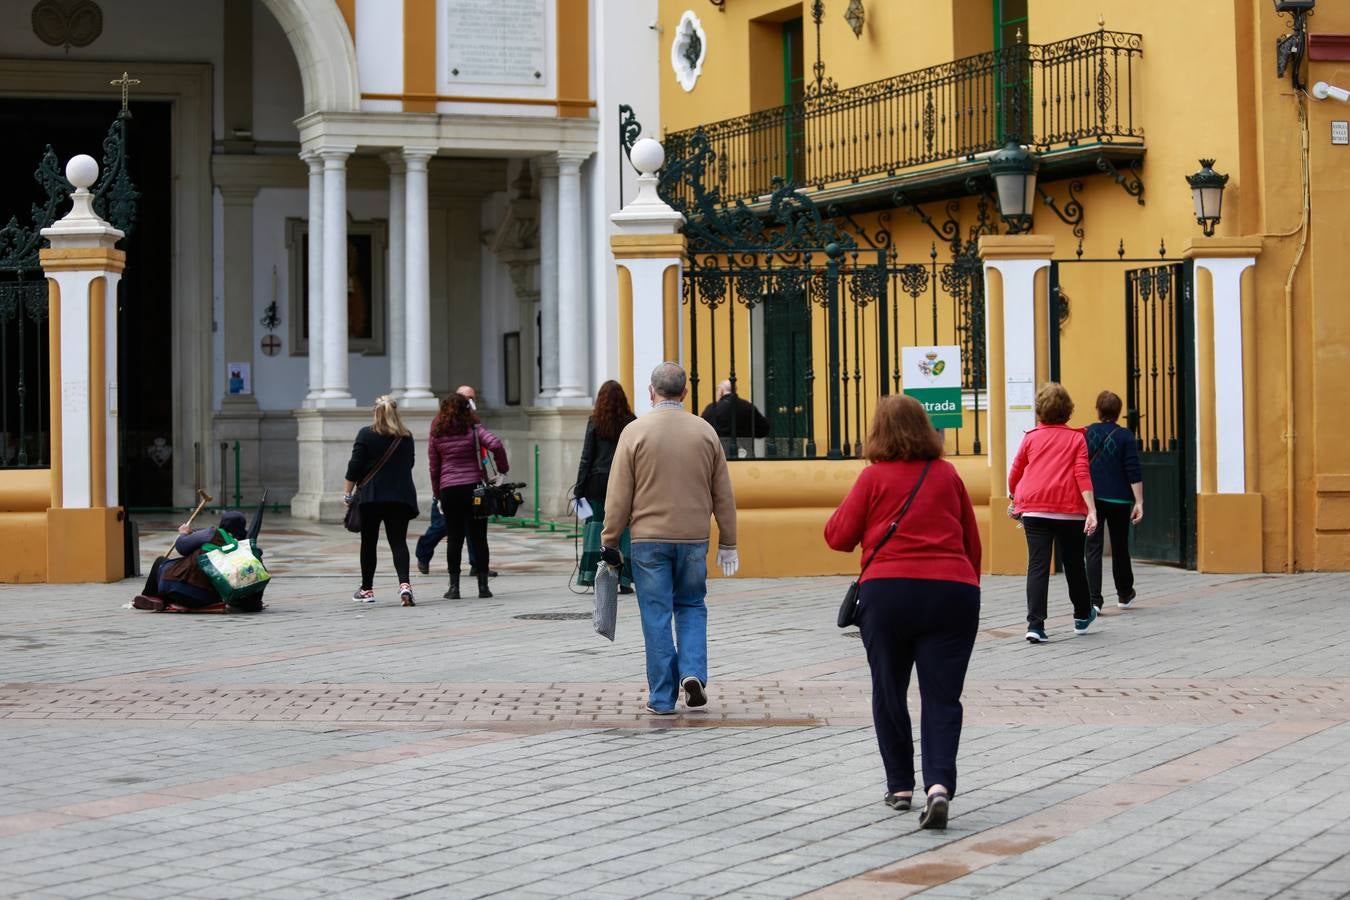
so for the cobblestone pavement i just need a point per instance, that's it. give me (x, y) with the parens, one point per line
(1197, 744)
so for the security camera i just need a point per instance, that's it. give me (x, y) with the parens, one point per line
(1322, 91)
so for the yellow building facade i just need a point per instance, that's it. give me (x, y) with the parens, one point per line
(1231, 349)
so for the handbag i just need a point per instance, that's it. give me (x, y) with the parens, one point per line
(848, 610)
(490, 499)
(234, 568)
(352, 517)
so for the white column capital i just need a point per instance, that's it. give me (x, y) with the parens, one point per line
(418, 157)
(238, 194)
(547, 166)
(569, 161)
(335, 157)
(395, 161)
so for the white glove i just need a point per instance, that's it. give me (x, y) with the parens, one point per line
(497, 480)
(728, 561)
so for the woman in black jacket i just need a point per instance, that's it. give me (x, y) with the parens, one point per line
(389, 497)
(608, 420)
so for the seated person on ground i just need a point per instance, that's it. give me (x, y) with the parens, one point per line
(180, 585)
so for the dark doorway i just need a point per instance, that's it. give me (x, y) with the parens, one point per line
(787, 369)
(145, 299)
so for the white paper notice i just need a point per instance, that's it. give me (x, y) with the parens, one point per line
(1021, 394)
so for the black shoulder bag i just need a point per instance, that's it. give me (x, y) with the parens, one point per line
(848, 610)
(352, 518)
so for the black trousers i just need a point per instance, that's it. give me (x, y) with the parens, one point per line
(909, 622)
(460, 523)
(1115, 516)
(1065, 536)
(394, 517)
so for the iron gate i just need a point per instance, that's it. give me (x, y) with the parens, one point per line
(1160, 407)
(1159, 383)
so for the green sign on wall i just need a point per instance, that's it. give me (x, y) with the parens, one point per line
(932, 375)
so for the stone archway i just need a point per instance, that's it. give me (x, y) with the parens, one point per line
(323, 47)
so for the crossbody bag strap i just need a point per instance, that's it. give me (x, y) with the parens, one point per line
(898, 516)
(389, 451)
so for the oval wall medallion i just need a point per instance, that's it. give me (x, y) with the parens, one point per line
(689, 50)
(67, 23)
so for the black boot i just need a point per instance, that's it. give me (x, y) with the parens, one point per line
(453, 593)
(483, 587)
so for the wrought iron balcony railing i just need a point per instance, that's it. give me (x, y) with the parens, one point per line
(1046, 95)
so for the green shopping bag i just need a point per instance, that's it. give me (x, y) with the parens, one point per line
(233, 567)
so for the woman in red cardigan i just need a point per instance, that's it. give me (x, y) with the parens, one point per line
(1051, 487)
(919, 600)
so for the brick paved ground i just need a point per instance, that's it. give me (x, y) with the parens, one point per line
(1197, 744)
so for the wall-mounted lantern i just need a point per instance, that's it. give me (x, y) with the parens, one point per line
(1014, 172)
(855, 16)
(1207, 193)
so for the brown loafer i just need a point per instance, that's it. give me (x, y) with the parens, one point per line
(150, 604)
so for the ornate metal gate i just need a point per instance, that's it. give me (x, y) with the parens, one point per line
(25, 392)
(1160, 407)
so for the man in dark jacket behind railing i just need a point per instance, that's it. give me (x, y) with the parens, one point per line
(736, 421)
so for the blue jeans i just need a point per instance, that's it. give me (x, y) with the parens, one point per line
(671, 582)
(435, 533)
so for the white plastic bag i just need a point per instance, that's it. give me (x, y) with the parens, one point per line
(606, 615)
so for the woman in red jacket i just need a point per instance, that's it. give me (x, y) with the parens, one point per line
(919, 600)
(1051, 487)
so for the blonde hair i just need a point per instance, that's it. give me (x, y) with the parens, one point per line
(387, 420)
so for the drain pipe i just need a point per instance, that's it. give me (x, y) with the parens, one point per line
(1289, 433)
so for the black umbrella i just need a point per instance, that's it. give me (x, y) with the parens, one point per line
(256, 526)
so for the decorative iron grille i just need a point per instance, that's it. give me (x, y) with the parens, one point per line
(1061, 94)
(25, 389)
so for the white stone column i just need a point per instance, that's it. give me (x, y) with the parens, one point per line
(649, 251)
(83, 267)
(548, 278)
(1019, 348)
(314, 300)
(398, 317)
(573, 323)
(336, 391)
(417, 284)
(1230, 428)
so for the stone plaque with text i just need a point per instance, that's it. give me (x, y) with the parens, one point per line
(496, 42)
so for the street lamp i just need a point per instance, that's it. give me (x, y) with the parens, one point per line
(1207, 192)
(1014, 173)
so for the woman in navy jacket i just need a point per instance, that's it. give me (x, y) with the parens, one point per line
(1118, 489)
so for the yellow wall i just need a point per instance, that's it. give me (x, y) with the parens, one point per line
(1216, 97)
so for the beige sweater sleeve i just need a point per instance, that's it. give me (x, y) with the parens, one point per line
(724, 502)
(619, 491)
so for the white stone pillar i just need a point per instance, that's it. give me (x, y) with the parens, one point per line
(1019, 346)
(573, 323)
(649, 250)
(83, 268)
(314, 300)
(336, 390)
(398, 327)
(1230, 425)
(417, 285)
(548, 279)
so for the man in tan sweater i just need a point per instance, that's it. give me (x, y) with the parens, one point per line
(668, 479)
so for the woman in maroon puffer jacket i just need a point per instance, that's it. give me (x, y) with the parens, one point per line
(1051, 487)
(457, 439)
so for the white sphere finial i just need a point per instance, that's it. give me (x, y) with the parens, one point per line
(82, 171)
(647, 156)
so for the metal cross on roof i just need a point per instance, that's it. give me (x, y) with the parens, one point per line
(125, 82)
